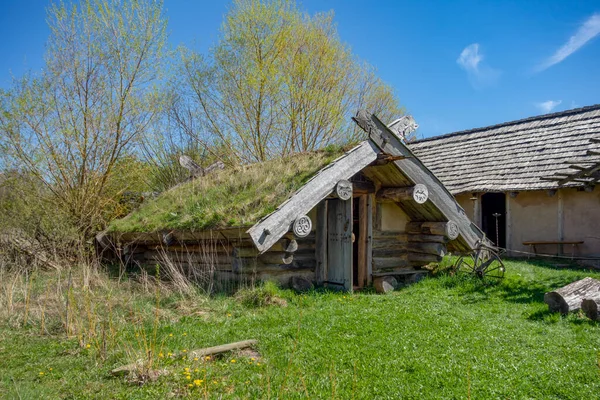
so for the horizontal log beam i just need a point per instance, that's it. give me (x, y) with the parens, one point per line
(417, 193)
(448, 229)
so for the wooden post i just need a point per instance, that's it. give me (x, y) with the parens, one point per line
(362, 239)
(321, 243)
(370, 205)
(560, 221)
(508, 226)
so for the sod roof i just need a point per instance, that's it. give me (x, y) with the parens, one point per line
(233, 197)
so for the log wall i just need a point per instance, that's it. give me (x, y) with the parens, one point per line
(222, 258)
(400, 246)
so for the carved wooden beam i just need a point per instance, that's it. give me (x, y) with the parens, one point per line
(448, 229)
(417, 193)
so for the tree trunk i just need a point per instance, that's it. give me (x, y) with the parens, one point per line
(569, 298)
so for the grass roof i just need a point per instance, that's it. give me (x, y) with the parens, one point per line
(236, 196)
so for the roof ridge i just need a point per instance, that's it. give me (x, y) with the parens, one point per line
(509, 123)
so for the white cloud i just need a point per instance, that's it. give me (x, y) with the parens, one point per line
(547, 106)
(480, 74)
(586, 32)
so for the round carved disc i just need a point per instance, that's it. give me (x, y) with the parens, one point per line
(452, 230)
(420, 193)
(343, 189)
(302, 226)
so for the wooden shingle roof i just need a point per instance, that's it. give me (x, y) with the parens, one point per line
(513, 156)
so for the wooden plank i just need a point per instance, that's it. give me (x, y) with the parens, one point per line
(321, 243)
(339, 243)
(271, 228)
(414, 169)
(370, 203)
(362, 240)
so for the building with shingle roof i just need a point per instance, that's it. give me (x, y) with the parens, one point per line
(530, 180)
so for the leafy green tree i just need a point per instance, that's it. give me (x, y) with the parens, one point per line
(278, 81)
(93, 102)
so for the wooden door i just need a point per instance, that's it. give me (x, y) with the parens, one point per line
(339, 244)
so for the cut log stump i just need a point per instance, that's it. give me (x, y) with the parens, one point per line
(569, 298)
(300, 284)
(385, 284)
(591, 308)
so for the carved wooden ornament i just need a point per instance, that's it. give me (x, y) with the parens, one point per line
(420, 193)
(302, 226)
(343, 189)
(452, 230)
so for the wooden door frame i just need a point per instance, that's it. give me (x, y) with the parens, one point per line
(365, 227)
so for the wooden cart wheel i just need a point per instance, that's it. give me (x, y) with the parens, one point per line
(465, 265)
(481, 265)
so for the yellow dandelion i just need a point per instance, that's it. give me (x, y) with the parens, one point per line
(49, 369)
(87, 346)
(169, 354)
(188, 377)
(258, 364)
(229, 315)
(232, 361)
(198, 382)
(160, 355)
(186, 369)
(190, 385)
(252, 359)
(215, 382)
(41, 373)
(247, 382)
(184, 350)
(195, 358)
(207, 358)
(196, 370)
(170, 335)
(184, 333)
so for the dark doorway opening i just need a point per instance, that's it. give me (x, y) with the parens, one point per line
(493, 217)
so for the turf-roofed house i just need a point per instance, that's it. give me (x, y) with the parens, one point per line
(531, 185)
(337, 218)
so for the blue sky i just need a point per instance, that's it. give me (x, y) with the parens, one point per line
(454, 65)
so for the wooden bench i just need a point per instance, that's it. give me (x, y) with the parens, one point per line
(559, 243)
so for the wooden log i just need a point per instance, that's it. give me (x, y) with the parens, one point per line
(420, 259)
(384, 284)
(448, 229)
(390, 262)
(569, 298)
(276, 258)
(210, 351)
(426, 238)
(417, 193)
(591, 308)
(361, 188)
(438, 249)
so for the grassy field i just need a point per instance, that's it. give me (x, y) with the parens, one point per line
(441, 338)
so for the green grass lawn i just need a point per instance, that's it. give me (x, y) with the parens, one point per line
(443, 338)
